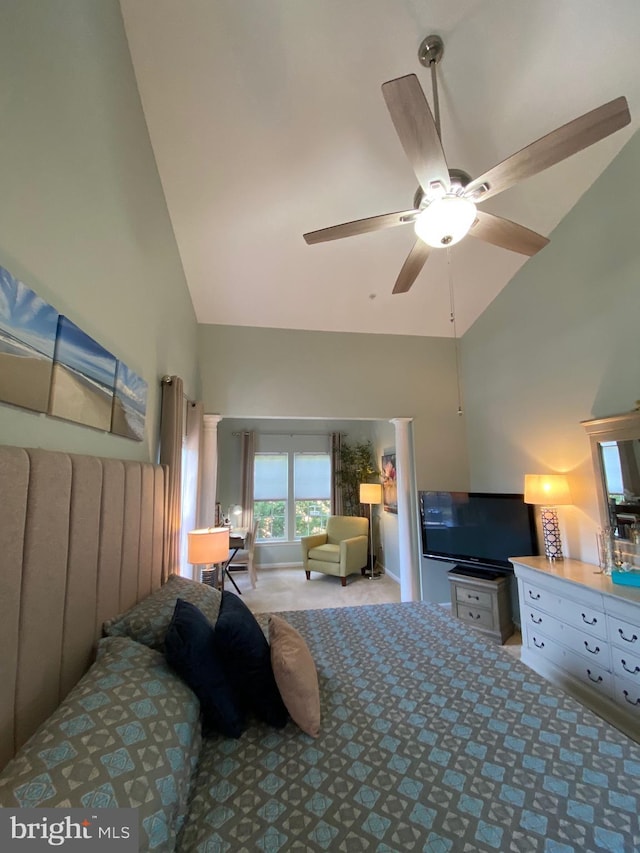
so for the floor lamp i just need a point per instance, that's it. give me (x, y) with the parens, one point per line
(371, 493)
(208, 547)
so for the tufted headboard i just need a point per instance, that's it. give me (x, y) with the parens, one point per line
(81, 540)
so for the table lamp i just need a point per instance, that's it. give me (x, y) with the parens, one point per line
(371, 493)
(207, 547)
(548, 491)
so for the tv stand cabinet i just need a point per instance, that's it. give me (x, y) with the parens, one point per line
(482, 600)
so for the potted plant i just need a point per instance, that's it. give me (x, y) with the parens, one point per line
(357, 466)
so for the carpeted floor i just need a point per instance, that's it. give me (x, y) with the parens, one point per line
(288, 589)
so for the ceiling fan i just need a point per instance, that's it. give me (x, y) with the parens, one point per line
(444, 206)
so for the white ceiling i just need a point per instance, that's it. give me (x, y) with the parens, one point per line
(267, 121)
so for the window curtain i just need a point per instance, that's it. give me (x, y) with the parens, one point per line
(247, 453)
(191, 480)
(171, 431)
(337, 504)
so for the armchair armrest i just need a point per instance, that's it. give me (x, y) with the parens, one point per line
(309, 542)
(353, 553)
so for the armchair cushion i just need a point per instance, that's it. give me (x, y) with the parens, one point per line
(328, 553)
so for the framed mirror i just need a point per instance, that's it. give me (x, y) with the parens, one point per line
(615, 453)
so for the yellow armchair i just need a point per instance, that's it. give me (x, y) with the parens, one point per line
(340, 551)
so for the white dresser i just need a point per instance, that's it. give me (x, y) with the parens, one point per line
(582, 632)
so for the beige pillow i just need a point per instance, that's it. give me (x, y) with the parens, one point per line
(295, 674)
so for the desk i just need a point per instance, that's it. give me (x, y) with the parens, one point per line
(237, 539)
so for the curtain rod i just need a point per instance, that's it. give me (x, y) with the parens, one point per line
(289, 434)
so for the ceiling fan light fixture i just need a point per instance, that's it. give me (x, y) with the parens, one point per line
(445, 221)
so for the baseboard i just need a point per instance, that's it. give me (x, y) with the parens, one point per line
(279, 566)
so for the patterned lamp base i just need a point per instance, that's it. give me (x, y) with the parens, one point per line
(551, 533)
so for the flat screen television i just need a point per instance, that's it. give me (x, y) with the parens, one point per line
(477, 529)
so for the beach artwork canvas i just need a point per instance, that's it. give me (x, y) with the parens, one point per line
(83, 378)
(129, 403)
(28, 327)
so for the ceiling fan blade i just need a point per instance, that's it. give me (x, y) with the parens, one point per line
(417, 130)
(415, 261)
(507, 234)
(552, 148)
(360, 226)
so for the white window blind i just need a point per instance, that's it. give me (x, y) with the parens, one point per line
(312, 476)
(270, 476)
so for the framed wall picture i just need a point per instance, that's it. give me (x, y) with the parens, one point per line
(389, 483)
(129, 404)
(28, 328)
(83, 378)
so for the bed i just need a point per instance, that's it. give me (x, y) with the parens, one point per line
(431, 738)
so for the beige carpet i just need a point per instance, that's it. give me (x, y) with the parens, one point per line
(288, 589)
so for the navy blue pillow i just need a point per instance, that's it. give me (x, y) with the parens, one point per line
(189, 648)
(245, 655)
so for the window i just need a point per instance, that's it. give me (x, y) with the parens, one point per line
(292, 492)
(312, 492)
(270, 495)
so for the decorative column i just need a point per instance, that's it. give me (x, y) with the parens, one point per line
(408, 553)
(209, 469)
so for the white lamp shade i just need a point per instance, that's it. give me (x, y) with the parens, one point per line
(209, 545)
(370, 493)
(445, 221)
(546, 489)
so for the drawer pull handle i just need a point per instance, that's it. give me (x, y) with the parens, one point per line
(586, 621)
(538, 645)
(632, 639)
(595, 680)
(630, 701)
(534, 620)
(633, 671)
(595, 651)
(535, 597)
(475, 615)
(475, 597)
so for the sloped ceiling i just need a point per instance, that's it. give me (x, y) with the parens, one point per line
(267, 121)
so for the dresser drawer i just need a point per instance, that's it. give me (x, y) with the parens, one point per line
(626, 665)
(541, 598)
(476, 616)
(585, 671)
(584, 617)
(592, 648)
(477, 597)
(624, 634)
(627, 695)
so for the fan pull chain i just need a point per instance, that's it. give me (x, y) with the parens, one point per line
(452, 320)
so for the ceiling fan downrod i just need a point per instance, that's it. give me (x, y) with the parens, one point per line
(430, 53)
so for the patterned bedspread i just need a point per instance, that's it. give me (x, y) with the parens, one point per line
(432, 740)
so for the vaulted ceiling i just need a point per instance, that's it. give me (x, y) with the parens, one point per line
(267, 121)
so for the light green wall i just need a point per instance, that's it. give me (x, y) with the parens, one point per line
(83, 220)
(560, 344)
(254, 372)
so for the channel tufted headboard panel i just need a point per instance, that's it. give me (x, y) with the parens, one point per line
(81, 540)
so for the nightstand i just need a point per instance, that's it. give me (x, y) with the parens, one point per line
(481, 598)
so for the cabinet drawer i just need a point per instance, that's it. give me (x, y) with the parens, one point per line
(539, 597)
(477, 597)
(626, 665)
(584, 617)
(574, 639)
(627, 695)
(475, 616)
(588, 672)
(624, 634)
